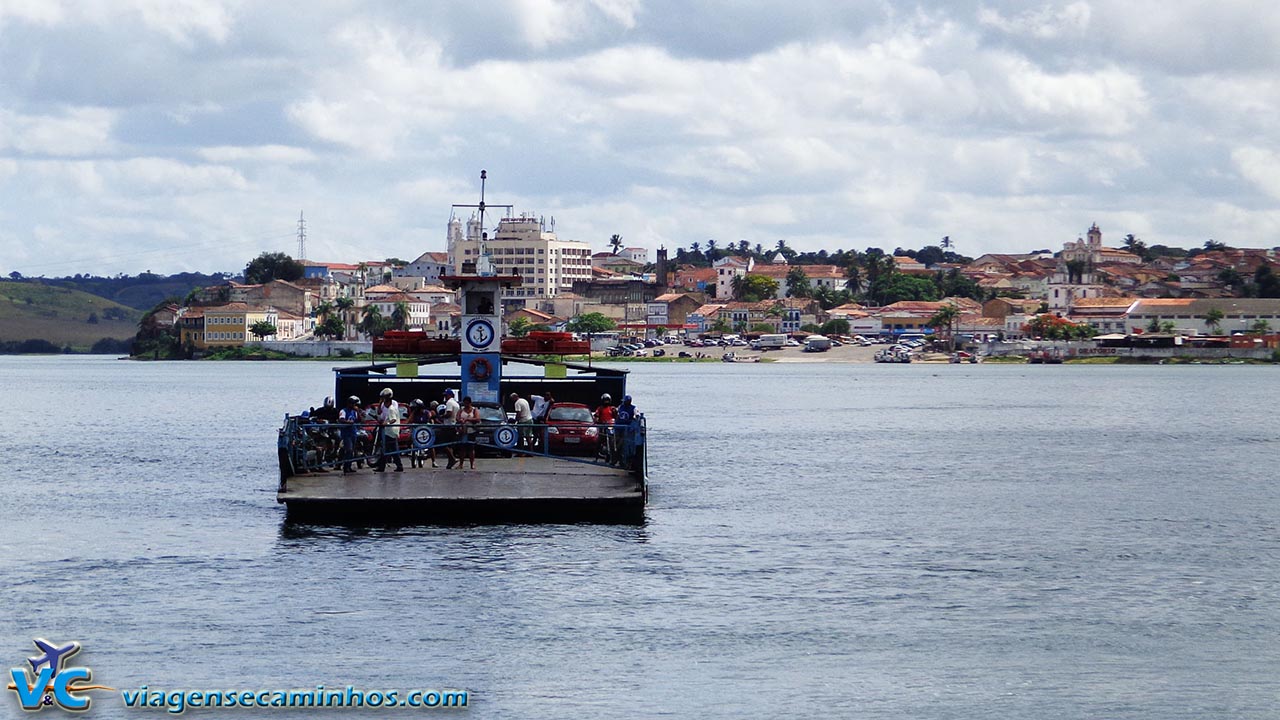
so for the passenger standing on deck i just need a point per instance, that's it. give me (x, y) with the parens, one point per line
(419, 415)
(624, 423)
(348, 419)
(524, 418)
(604, 417)
(626, 412)
(389, 422)
(447, 415)
(541, 403)
(468, 419)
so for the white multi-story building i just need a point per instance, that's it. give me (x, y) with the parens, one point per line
(727, 268)
(386, 298)
(429, 266)
(523, 246)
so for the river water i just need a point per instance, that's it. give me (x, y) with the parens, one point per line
(821, 540)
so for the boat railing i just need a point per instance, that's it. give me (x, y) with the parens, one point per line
(306, 446)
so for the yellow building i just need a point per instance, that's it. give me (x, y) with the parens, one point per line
(224, 325)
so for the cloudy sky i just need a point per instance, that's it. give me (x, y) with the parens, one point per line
(172, 135)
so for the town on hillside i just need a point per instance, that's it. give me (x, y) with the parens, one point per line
(1085, 289)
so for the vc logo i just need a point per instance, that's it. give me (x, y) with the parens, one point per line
(49, 683)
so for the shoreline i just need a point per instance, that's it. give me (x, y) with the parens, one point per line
(847, 354)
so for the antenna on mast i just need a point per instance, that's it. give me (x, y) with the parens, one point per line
(484, 264)
(302, 237)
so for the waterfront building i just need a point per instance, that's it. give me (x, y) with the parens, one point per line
(429, 266)
(1104, 314)
(671, 310)
(727, 268)
(704, 318)
(386, 298)
(1240, 315)
(226, 325)
(276, 293)
(523, 246)
(695, 279)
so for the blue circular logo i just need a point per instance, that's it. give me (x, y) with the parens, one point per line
(423, 437)
(505, 437)
(480, 333)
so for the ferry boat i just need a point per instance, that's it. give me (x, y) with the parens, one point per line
(552, 471)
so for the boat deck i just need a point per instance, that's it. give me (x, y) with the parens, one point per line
(536, 489)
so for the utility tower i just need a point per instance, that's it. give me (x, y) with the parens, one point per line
(302, 237)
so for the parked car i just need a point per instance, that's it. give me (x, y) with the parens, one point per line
(571, 430)
(492, 416)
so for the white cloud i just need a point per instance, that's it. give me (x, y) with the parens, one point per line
(36, 12)
(1108, 102)
(846, 124)
(77, 131)
(278, 154)
(137, 176)
(544, 23)
(1045, 22)
(1261, 167)
(183, 20)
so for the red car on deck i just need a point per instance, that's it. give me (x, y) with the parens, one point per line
(571, 430)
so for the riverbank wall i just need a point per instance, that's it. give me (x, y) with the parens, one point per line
(314, 348)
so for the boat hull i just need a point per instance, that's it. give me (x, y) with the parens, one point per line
(528, 489)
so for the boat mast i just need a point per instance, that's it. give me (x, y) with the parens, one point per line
(484, 264)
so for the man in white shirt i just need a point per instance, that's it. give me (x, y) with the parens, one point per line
(524, 417)
(448, 413)
(389, 420)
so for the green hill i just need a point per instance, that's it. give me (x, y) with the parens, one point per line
(30, 310)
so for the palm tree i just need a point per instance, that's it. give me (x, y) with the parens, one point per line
(798, 283)
(947, 317)
(373, 323)
(345, 304)
(615, 242)
(736, 285)
(400, 316)
(744, 248)
(519, 327)
(323, 310)
(853, 274)
(946, 242)
(1260, 327)
(1213, 318)
(711, 251)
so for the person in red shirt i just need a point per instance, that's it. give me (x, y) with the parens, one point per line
(604, 416)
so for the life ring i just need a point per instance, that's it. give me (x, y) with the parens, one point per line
(479, 369)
